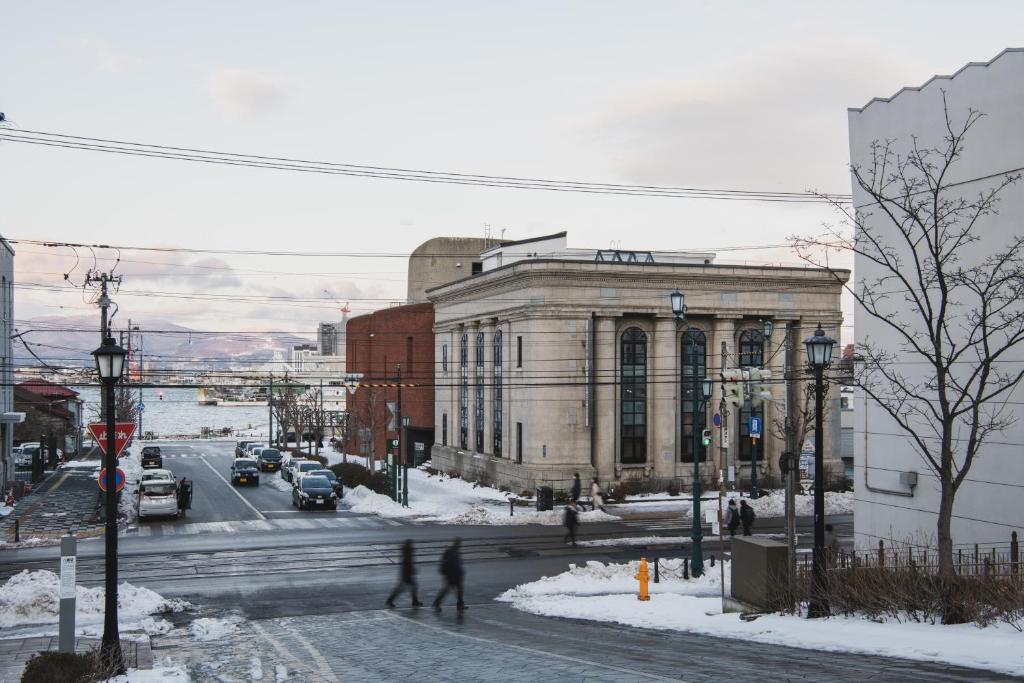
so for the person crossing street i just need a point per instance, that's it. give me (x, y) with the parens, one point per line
(454, 575)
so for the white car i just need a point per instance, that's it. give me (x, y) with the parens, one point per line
(289, 467)
(303, 467)
(157, 475)
(21, 458)
(158, 497)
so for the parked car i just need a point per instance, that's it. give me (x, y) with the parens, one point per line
(304, 467)
(335, 481)
(269, 460)
(253, 445)
(314, 492)
(157, 475)
(240, 448)
(244, 471)
(151, 457)
(22, 458)
(287, 461)
(158, 498)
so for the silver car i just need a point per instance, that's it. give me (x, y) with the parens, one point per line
(158, 498)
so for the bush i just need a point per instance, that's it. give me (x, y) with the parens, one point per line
(61, 667)
(353, 475)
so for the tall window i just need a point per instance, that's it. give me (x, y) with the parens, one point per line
(408, 356)
(519, 351)
(479, 394)
(444, 429)
(633, 385)
(464, 393)
(444, 358)
(745, 443)
(751, 348)
(694, 353)
(497, 394)
(519, 442)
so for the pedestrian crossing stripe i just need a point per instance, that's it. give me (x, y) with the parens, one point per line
(168, 529)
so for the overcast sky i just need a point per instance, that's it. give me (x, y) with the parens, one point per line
(724, 95)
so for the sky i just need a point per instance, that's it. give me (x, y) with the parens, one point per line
(739, 95)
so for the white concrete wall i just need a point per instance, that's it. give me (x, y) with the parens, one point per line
(988, 505)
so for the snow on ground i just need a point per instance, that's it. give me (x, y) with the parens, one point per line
(206, 629)
(440, 498)
(637, 540)
(81, 464)
(131, 463)
(31, 597)
(607, 593)
(6, 510)
(276, 482)
(771, 505)
(31, 542)
(158, 674)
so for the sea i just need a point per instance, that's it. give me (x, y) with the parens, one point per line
(176, 412)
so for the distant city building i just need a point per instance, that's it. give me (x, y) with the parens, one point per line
(555, 360)
(8, 416)
(441, 260)
(898, 494)
(330, 338)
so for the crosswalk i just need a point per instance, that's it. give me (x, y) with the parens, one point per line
(656, 525)
(188, 529)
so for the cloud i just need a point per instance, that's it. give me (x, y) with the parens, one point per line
(774, 118)
(244, 95)
(105, 57)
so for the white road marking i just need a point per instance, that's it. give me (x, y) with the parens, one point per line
(233, 489)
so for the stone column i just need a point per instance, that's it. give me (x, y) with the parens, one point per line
(487, 327)
(662, 402)
(606, 412)
(471, 331)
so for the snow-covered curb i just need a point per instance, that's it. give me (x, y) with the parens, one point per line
(607, 593)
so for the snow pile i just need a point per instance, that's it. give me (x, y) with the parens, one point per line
(81, 464)
(6, 510)
(205, 630)
(634, 541)
(159, 674)
(276, 482)
(607, 593)
(31, 597)
(30, 542)
(774, 504)
(131, 463)
(492, 516)
(362, 499)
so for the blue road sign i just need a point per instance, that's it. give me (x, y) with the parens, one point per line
(717, 419)
(142, 406)
(755, 427)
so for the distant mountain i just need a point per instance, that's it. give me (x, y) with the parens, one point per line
(69, 340)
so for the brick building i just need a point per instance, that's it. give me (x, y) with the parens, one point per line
(384, 345)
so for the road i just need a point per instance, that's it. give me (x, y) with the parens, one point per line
(310, 587)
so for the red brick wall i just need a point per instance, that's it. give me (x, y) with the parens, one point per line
(376, 344)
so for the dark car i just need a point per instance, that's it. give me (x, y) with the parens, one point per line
(244, 471)
(269, 460)
(151, 458)
(335, 482)
(240, 448)
(314, 492)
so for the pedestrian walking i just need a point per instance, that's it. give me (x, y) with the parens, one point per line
(732, 517)
(577, 489)
(596, 496)
(453, 573)
(406, 577)
(747, 517)
(571, 521)
(184, 496)
(831, 545)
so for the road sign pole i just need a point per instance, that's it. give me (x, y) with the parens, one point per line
(68, 560)
(111, 642)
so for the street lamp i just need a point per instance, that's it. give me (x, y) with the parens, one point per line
(819, 357)
(110, 365)
(678, 300)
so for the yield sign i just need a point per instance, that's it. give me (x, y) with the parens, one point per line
(123, 432)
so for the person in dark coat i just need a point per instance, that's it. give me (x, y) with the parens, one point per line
(406, 577)
(747, 517)
(577, 489)
(732, 517)
(571, 521)
(453, 573)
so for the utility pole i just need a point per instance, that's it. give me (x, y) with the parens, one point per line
(791, 446)
(399, 460)
(104, 303)
(320, 418)
(270, 407)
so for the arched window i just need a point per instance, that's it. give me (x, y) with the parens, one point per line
(478, 421)
(633, 388)
(497, 394)
(751, 348)
(694, 370)
(745, 443)
(464, 393)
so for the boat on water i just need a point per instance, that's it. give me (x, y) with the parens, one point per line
(228, 398)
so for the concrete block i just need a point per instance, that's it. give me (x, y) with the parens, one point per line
(759, 570)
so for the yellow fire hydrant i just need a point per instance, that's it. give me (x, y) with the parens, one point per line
(644, 579)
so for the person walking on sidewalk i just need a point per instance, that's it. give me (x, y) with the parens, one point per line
(406, 577)
(596, 497)
(747, 517)
(732, 517)
(577, 489)
(571, 521)
(453, 573)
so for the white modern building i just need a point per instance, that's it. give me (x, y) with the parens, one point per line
(897, 493)
(8, 418)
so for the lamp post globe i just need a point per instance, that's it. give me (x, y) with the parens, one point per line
(769, 327)
(678, 301)
(819, 356)
(109, 361)
(707, 388)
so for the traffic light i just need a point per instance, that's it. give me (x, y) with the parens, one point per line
(706, 434)
(759, 390)
(733, 383)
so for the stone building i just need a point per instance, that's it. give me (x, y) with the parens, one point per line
(555, 360)
(441, 260)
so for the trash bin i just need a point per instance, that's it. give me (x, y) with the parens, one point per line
(545, 498)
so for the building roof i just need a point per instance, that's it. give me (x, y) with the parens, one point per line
(24, 399)
(42, 387)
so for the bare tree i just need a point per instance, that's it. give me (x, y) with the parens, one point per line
(126, 405)
(954, 308)
(369, 416)
(794, 428)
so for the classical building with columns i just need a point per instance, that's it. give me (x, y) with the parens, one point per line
(555, 360)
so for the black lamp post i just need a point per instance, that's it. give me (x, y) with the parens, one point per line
(819, 357)
(110, 365)
(769, 327)
(701, 393)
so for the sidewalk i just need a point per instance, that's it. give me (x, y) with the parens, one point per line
(64, 501)
(16, 652)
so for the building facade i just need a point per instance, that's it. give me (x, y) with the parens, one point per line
(556, 360)
(393, 350)
(8, 415)
(53, 415)
(898, 495)
(441, 260)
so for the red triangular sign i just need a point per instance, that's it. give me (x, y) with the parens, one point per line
(123, 433)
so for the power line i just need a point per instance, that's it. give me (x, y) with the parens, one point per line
(111, 146)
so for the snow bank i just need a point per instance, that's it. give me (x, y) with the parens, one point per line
(6, 510)
(607, 593)
(159, 674)
(362, 499)
(637, 540)
(131, 462)
(31, 597)
(81, 464)
(774, 505)
(276, 482)
(30, 542)
(213, 629)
